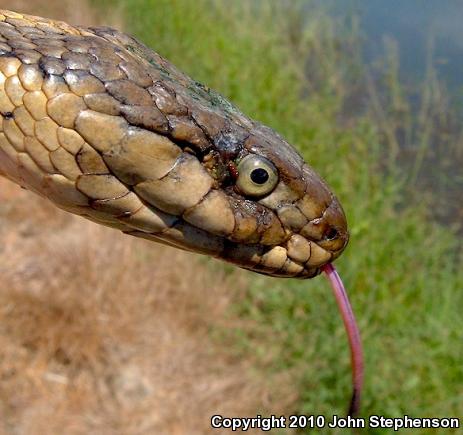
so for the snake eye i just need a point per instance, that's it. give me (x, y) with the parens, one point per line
(257, 176)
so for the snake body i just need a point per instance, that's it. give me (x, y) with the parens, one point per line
(107, 129)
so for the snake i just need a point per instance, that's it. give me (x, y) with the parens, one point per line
(104, 127)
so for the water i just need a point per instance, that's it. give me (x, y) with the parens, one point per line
(420, 27)
(427, 32)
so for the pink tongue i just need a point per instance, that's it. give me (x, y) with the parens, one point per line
(356, 352)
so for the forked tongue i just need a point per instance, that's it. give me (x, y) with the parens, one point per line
(353, 335)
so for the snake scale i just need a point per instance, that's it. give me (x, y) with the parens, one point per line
(107, 129)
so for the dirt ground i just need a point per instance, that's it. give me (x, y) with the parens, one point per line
(101, 333)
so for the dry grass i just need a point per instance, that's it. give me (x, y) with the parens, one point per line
(101, 333)
(67, 10)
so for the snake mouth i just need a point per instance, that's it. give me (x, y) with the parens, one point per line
(300, 253)
(298, 258)
(319, 242)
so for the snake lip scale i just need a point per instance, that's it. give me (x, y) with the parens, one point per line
(105, 128)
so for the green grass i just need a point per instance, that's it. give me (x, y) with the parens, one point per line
(404, 272)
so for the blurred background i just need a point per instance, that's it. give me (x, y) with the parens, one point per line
(104, 334)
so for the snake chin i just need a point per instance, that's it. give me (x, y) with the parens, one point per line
(305, 274)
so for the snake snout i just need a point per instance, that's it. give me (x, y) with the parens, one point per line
(317, 223)
(329, 231)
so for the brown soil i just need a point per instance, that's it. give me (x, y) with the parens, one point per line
(101, 333)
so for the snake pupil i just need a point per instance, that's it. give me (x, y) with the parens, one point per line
(259, 176)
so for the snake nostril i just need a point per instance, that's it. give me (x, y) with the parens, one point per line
(331, 234)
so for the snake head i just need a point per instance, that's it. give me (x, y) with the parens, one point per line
(233, 189)
(288, 222)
